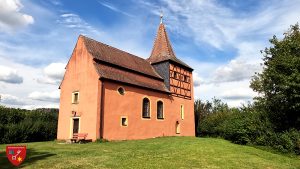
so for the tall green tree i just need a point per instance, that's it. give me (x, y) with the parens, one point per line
(204, 109)
(279, 83)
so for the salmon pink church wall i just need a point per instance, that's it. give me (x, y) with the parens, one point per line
(80, 76)
(130, 105)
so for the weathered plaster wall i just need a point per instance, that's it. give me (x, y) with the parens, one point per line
(80, 76)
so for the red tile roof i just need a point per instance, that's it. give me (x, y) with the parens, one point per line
(117, 65)
(116, 74)
(109, 54)
(162, 49)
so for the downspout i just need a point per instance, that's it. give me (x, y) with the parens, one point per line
(102, 110)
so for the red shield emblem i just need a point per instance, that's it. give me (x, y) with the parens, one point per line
(16, 154)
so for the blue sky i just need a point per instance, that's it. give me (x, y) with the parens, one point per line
(220, 39)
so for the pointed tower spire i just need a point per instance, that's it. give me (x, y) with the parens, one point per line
(162, 49)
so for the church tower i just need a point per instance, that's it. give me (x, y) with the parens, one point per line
(177, 75)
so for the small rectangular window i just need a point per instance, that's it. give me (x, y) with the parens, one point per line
(185, 78)
(175, 75)
(75, 97)
(124, 121)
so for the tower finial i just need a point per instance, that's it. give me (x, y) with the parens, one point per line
(161, 16)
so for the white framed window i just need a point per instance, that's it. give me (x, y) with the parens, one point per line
(146, 108)
(124, 121)
(75, 97)
(160, 110)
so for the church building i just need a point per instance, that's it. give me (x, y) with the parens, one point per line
(112, 94)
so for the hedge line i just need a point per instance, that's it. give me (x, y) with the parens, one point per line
(248, 125)
(19, 125)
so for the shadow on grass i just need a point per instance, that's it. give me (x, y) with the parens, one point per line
(31, 157)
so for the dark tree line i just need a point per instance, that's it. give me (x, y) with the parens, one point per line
(19, 125)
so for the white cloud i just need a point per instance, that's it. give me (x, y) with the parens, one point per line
(220, 26)
(45, 96)
(74, 21)
(114, 8)
(55, 70)
(238, 94)
(236, 70)
(237, 103)
(11, 100)
(56, 2)
(229, 92)
(54, 73)
(197, 79)
(10, 75)
(31, 107)
(29, 86)
(11, 18)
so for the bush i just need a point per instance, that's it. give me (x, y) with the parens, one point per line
(288, 141)
(18, 125)
(238, 126)
(248, 125)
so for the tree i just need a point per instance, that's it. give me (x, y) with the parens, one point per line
(204, 109)
(279, 83)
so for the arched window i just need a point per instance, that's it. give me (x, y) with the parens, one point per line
(146, 108)
(160, 110)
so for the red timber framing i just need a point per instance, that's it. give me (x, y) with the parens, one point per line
(180, 82)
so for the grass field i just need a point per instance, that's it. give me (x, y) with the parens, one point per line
(168, 152)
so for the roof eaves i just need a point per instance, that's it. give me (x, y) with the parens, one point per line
(174, 62)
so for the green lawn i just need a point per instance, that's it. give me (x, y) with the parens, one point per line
(168, 152)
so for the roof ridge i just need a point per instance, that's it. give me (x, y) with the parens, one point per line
(169, 48)
(114, 47)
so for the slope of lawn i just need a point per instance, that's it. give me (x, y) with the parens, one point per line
(168, 152)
